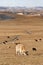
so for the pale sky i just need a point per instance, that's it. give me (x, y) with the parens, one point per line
(21, 3)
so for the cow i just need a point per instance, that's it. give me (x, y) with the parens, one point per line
(20, 49)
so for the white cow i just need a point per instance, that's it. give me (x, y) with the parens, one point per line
(20, 49)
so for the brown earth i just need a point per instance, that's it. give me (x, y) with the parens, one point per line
(26, 29)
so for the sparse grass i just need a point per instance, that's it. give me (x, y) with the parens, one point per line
(19, 26)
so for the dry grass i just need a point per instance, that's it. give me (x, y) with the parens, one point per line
(28, 29)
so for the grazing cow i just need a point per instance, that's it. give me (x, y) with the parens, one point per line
(40, 39)
(8, 36)
(34, 49)
(36, 40)
(20, 49)
(4, 43)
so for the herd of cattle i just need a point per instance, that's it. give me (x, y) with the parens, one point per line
(20, 48)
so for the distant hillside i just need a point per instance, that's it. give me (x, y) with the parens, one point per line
(22, 9)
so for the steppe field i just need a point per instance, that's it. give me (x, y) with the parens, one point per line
(27, 30)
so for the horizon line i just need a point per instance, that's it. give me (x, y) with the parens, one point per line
(21, 6)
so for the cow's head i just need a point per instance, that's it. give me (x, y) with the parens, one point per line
(26, 53)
